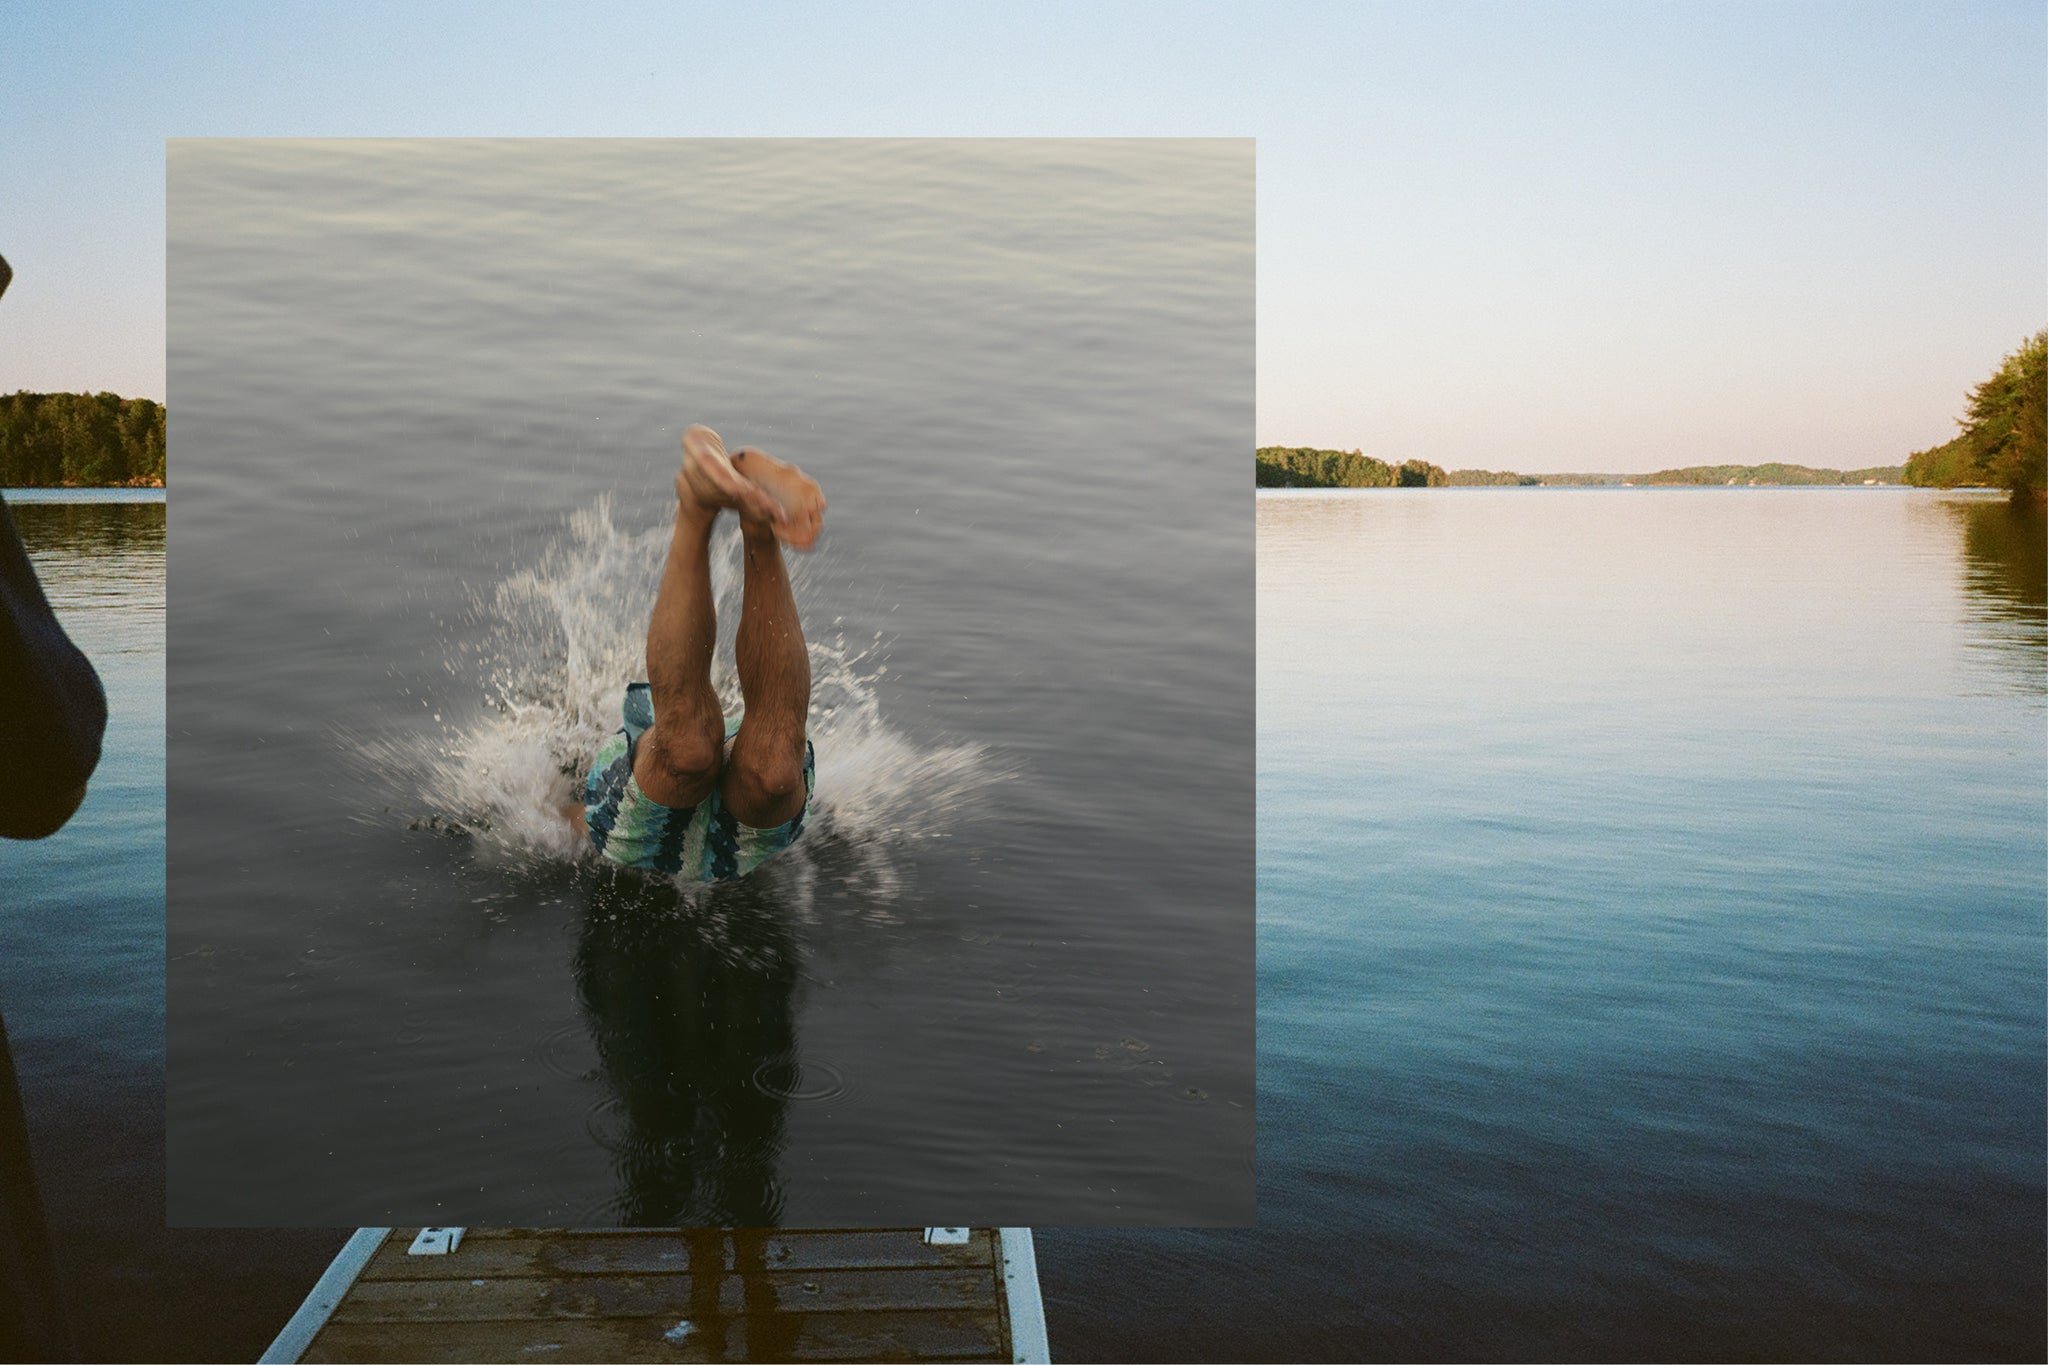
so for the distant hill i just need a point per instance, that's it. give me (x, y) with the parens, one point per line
(1488, 478)
(1305, 467)
(1772, 474)
(80, 440)
(1759, 474)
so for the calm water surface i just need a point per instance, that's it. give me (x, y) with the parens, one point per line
(1650, 957)
(81, 980)
(81, 942)
(1651, 897)
(427, 404)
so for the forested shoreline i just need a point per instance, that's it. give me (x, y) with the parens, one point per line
(2004, 438)
(80, 440)
(1789, 475)
(1306, 467)
(2003, 443)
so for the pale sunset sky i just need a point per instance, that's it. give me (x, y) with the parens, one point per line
(1530, 236)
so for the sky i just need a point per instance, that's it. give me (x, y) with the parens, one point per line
(1533, 236)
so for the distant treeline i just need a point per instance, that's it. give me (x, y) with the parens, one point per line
(1301, 467)
(80, 440)
(1505, 478)
(2004, 441)
(1770, 473)
(1692, 474)
(1491, 478)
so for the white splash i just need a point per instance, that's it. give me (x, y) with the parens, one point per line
(555, 645)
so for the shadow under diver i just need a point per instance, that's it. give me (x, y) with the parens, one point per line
(690, 1008)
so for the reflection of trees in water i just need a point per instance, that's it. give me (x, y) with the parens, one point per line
(2005, 568)
(89, 528)
(689, 1006)
(2007, 543)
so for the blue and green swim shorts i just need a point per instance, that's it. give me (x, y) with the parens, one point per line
(700, 843)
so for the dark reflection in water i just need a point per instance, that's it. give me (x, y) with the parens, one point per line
(2005, 570)
(690, 1007)
(2005, 549)
(89, 528)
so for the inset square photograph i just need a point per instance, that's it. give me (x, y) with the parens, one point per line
(710, 683)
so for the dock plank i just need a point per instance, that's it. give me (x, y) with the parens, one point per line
(530, 1253)
(626, 1296)
(674, 1294)
(951, 1335)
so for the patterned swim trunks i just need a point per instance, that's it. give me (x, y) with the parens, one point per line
(700, 843)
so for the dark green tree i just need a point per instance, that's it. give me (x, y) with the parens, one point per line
(82, 440)
(2002, 441)
(1306, 467)
(2005, 420)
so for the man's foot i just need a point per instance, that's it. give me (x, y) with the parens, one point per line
(799, 503)
(708, 479)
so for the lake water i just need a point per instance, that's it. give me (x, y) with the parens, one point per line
(81, 939)
(1650, 950)
(1651, 944)
(426, 401)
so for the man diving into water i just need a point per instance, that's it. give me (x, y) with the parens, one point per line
(681, 789)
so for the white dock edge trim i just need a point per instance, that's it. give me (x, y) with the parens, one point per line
(334, 1282)
(1028, 1345)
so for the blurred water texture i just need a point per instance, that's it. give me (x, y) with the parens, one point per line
(427, 400)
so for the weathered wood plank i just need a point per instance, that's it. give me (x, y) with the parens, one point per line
(626, 1296)
(490, 1254)
(794, 1337)
(561, 1253)
(642, 1232)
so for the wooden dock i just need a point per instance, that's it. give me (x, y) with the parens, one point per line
(682, 1295)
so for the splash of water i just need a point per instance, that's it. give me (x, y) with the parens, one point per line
(555, 645)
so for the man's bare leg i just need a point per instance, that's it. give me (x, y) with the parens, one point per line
(763, 784)
(677, 762)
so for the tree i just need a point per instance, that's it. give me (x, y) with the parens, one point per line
(2005, 420)
(85, 440)
(2002, 437)
(1305, 467)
